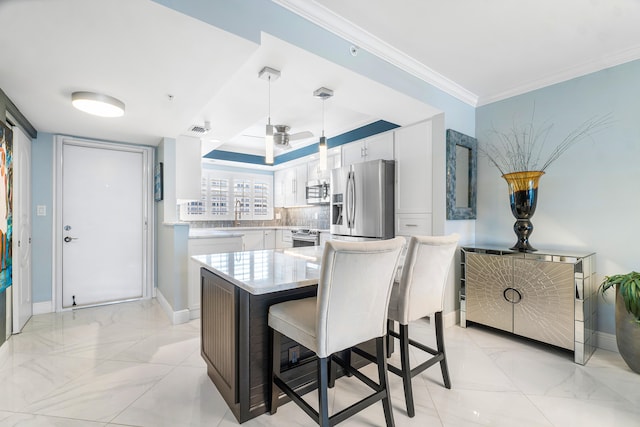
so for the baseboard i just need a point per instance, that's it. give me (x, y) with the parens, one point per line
(451, 319)
(43, 307)
(606, 341)
(194, 313)
(176, 317)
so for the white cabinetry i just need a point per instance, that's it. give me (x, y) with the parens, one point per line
(205, 246)
(254, 240)
(188, 170)
(376, 147)
(334, 160)
(269, 239)
(414, 179)
(290, 186)
(284, 239)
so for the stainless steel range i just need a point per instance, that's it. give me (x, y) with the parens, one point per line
(305, 237)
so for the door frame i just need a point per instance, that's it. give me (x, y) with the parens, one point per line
(148, 207)
(19, 284)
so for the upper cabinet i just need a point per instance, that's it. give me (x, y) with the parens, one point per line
(375, 147)
(414, 159)
(188, 177)
(334, 160)
(290, 186)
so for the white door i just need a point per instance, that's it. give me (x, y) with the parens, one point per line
(22, 303)
(103, 224)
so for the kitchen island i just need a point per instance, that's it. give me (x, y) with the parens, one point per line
(237, 289)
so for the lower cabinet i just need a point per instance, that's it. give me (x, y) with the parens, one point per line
(547, 296)
(235, 343)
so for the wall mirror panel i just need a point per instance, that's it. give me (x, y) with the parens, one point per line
(462, 163)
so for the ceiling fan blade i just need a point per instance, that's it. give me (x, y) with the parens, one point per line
(300, 135)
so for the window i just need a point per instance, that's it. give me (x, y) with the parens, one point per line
(224, 193)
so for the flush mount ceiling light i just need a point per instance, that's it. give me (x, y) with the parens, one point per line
(324, 94)
(269, 74)
(97, 104)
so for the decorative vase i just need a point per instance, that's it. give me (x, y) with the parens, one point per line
(627, 334)
(523, 196)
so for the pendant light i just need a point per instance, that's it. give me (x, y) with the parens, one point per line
(269, 74)
(323, 93)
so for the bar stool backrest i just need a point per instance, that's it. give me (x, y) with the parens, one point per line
(424, 276)
(353, 292)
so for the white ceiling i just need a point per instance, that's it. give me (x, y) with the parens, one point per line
(141, 52)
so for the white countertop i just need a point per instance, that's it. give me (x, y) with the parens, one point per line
(265, 271)
(206, 233)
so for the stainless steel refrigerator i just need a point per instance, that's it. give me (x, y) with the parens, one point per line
(362, 201)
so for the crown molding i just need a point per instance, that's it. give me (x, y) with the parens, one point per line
(325, 18)
(567, 74)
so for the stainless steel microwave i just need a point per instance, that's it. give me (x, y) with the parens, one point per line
(318, 192)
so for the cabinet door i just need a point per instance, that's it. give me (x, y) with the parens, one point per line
(188, 170)
(487, 277)
(300, 185)
(269, 239)
(253, 240)
(379, 147)
(546, 309)
(413, 154)
(353, 152)
(279, 188)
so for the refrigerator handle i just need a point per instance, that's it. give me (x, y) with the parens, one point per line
(352, 204)
(347, 202)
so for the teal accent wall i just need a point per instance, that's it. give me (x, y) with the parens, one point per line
(42, 226)
(589, 198)
(353, 135)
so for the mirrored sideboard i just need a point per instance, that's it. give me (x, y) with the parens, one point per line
(548, 296)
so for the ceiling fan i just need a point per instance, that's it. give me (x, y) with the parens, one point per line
(282, 137)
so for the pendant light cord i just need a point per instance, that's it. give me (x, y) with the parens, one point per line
(269, 117)
(323, 99)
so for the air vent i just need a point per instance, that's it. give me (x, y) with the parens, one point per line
(200, 130)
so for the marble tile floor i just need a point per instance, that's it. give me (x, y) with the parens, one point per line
(126, 365)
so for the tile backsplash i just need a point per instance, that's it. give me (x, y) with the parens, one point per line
(307, 217)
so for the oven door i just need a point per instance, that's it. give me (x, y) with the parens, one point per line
(301, 242)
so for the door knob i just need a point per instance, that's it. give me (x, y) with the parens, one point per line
(68, 239)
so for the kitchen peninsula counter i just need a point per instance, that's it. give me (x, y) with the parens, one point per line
(237, 289)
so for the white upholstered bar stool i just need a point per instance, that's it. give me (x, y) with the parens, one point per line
(350, 308)
(420, 293)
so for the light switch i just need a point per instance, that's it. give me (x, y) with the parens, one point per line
(41, 210)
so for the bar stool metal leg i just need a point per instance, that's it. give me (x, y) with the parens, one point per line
(323, 384)
(275, 369)
(440, 343)
(406, 369)
(383, 379)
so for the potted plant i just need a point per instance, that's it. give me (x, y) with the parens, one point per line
(627, 315)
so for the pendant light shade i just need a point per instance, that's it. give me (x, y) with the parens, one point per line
(322, 150)
(268, 144)
(269, 74)
(323, 93)
(97, 104)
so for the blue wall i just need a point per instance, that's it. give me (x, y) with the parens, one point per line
(590, 198)
(42, 226)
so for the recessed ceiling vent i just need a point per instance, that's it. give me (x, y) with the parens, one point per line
(200, 130)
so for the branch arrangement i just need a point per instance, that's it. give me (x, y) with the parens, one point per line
(521, 148)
